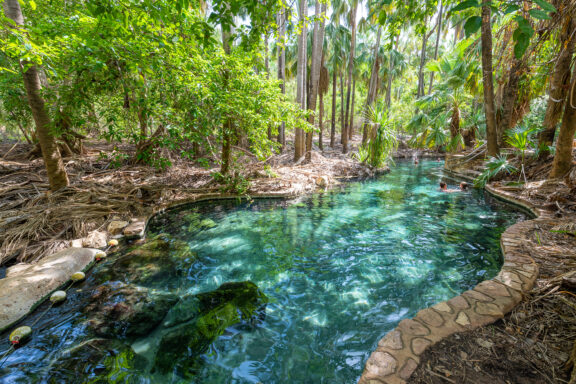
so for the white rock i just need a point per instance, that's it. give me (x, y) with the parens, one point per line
(17, 269)
(115, 227)
(95, 239)
(21, 292)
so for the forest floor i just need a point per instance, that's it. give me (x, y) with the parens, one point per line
(535, 342)
(35, 223)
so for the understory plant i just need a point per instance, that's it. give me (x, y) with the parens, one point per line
(495, 166)
(519, 139)
(382, 139)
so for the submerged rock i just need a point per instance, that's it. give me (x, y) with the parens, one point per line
(198, 320)
(194, 222)
(158, 262)
(110, 360)
(127, 310)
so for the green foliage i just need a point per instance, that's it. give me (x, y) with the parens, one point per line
(150, 73)
(494, 167)
(524, 29)
(235, 184)
(519, 138)
(382, 140)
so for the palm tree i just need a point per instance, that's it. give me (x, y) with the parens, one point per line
(301, 76)
(317, 54)
(459, 78)
(488, 80)
(337, 39)
(563, 156)
(559, 83)
(281, 20)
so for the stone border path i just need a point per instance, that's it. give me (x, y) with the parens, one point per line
(397, 354)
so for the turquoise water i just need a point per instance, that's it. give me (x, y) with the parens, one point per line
(339, 270)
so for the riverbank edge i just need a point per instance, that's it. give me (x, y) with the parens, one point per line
(398, 353)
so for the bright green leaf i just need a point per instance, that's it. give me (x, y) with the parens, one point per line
(465, 5)
(522, 43)
(545, 5)
(511, 9)
(538, 14)
(472, 25)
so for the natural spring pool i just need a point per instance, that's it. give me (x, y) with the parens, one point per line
(316, 282)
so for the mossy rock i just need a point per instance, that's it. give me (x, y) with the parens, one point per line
(198, 320)
(207, 224)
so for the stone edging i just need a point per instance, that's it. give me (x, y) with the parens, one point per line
(397, 354)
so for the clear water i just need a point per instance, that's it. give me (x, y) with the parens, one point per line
(340, 270)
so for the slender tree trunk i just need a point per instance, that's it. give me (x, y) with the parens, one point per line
(388, 99)
(488, 79)
(320, 115)
(351, 126)
(372, 84)
(317, 45)
(267, 67)
(564, 145)
(228, 131)
(282, 71)
(342, 121)
(57, 176)
(350, 75)
(437, 45)
(505, 114)
(559, 83)
(301, 77)
(420, 91)
(333, 128)
(455, 126)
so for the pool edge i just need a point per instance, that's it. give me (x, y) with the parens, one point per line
(398, 353)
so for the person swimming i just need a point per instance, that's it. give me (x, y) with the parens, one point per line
(444, 188)
(463, 186)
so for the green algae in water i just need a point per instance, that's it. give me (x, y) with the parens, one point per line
(339, 270)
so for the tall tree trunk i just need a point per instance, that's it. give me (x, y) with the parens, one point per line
(342, 121)
(282, 71)
(504, 114)
(301, 77)
(388, 98)
(228, 131)
(57, 176)
(559, 83)
(350, 75)
(437, 44)
(320, 115)
(317, 45)
(351, 126)
(267, 67)
(455, 126)
(488, 80)
(333, 128)
(564, 145)
(420, 91)
(372, 84)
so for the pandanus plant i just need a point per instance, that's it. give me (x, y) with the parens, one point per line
(382, 139)
(519, 139)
